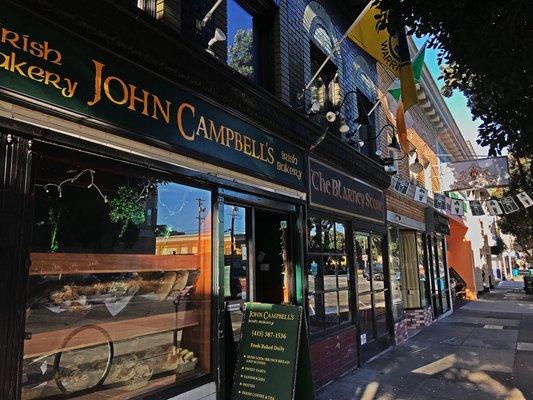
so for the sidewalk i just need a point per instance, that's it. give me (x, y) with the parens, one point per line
(483, 351)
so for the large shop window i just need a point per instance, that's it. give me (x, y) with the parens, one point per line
(120, 281)
(328, 275)
(413, 266)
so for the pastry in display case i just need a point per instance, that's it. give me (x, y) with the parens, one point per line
(114, 329)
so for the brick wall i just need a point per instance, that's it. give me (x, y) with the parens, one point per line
(400, 332)
(404, 205)
(333, 356)
(419, 318)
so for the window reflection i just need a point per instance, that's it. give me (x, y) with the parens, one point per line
(120, 278)
(240, 39)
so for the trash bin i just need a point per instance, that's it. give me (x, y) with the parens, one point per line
(528, 284)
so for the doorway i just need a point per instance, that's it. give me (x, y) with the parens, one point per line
(257, 250)
(372, 296)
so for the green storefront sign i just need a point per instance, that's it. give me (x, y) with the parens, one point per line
(273, 359)
(47, 64)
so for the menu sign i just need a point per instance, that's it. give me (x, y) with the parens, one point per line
(268, 359)
(336, 191)
(59, 69)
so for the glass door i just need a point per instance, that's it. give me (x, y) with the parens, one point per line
(372, 304)
(237, 273)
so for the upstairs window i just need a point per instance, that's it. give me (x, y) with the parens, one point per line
(148, 6)
(241, 54)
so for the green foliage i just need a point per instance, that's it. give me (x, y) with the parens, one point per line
(126, 207)
(53, 219)
(240, 52)
(486, 50)
(499, 248)
(520, 223)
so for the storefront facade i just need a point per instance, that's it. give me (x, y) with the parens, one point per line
(347, 286)
(142, 205)
(145, 212)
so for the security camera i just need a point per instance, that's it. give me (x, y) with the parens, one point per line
(331, 116)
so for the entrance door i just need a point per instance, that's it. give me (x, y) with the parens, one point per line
(256, 254)
(372, 306)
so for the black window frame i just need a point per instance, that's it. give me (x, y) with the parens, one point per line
(264, 16)
(349, 288)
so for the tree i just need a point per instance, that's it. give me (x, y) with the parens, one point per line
(240, 52)
(520, 223)
(486, 49)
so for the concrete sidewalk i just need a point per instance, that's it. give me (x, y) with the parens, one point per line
(483, 351)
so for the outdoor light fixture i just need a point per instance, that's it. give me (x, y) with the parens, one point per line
(394, 145)
(344, 128)
(416, 167)
(201, 24)
(218, 37)
(331, 116)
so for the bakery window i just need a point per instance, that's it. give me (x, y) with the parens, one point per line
(120, 280)
(328, 274)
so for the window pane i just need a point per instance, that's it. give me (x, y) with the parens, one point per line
(410, 278)
(328, 235)
(330, 279)
(115, 287)
(240, 40)
(443, 284)
(332, 310)
(313, 225)
(342, 272)
(316, 313)
(381, 313)
(340, 237)
(344, 306)
(362, 259)
(235, 253)
(421, 269)
(395, 274)
(377, 264)
(365, 316)
(314, 274)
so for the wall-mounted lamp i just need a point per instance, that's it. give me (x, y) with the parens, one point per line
(344, 128)
(201, 24)
(416, 167)
(218, 37)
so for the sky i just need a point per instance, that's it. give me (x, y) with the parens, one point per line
(457, 103)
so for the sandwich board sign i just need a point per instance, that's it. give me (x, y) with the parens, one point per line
(273, 360)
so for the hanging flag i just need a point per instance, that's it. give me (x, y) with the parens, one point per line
(494, 207)
(439, 201)
(476, 208)
(391, 51)
(509, 205)
(457, 207)
(402, 186)
(417, 62)
(421, 194)
(524, 198)
(401, 128)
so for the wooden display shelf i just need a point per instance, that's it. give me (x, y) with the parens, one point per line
(87, 263)
(52, 342)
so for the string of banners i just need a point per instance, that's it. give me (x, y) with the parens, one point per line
(505, 205)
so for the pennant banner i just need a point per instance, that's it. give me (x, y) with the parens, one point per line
(509, 205)
(494, 207)
(476, 208)
(440, 201)
(402, 186)
(421, 195)
(525, 199)
(457, 207)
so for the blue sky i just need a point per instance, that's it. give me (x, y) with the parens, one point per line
(457, 103)
(237, 19)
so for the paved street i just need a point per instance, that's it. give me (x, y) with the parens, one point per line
(482, 351)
